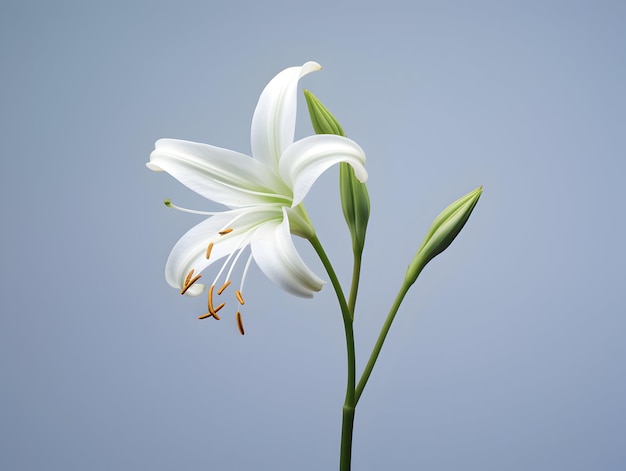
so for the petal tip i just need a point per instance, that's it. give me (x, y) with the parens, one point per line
(309, 67)
(153, 167)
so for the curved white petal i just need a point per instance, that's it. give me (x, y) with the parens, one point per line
(305, 160)
(274, 120)
(221, 175)
(190, 250)
(276, 256)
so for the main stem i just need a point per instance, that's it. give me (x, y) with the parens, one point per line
(349, 404)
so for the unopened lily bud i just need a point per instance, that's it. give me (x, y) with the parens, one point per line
(322, 120)
(355, 201)
(442, 232)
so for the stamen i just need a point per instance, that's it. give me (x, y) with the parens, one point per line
(213, 310)
(187, 286)
(189, 282)
(226, 231)
(208, 314)
(210, 299)
(235, 253)
(239, 297)
(208, 250)
(240, 324)
(224, 286)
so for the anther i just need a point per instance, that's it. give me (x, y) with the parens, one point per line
(210, 299)
(240, 324)
(189, 275)
(226, 231)
(224, 286)
(239, 297)
(188, 284)
(209, 314)
(213, 310)
(208, 250)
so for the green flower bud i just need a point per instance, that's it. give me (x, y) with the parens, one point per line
(442, 232)
(323, 121)
(355, 201)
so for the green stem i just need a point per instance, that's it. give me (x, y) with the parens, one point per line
(350, 402)
(379, 343)
(354, 288)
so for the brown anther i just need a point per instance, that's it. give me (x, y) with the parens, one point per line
(188, 284)
(224, 286)
(239, 297)
(240, 324)
(210, 299)
(208, 250)
(209, 314)
(189, 275)
(226, 231)
(213, 310)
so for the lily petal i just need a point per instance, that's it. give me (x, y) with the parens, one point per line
(221, 175)
(305, 160)
(277, 257)
(274, 120)
(190, 250)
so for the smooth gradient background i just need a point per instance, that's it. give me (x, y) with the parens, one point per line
(508, 353)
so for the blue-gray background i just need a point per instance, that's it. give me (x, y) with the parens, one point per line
(507, 354)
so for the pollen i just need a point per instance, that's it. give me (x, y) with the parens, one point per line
(224, 286)
(240, 324)
(226, 231)
(208, 250)
(239, 297)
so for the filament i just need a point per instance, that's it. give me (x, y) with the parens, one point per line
(245, 272)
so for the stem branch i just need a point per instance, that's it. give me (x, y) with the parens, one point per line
(379, 343)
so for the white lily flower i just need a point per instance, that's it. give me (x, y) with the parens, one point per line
(264, 194)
